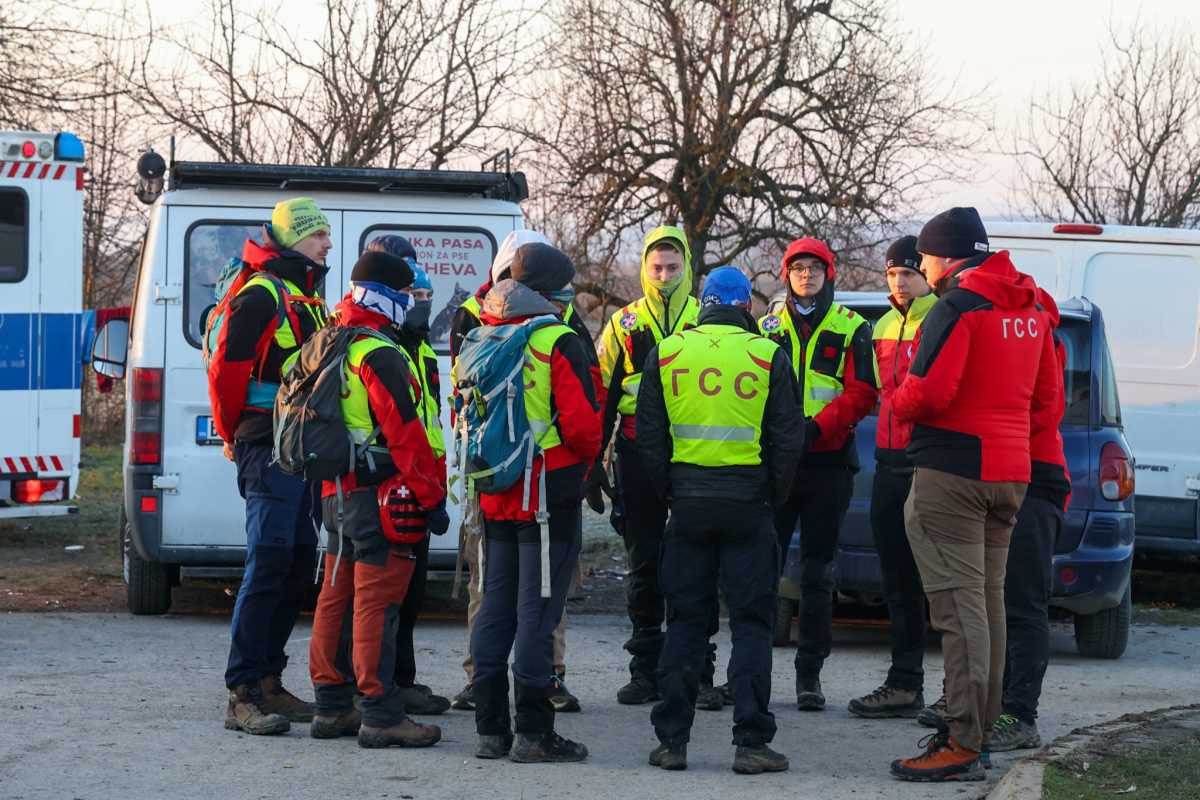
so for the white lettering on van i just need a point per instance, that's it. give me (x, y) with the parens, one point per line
(1020, 327)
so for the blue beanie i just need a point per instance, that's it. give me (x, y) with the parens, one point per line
(725, 286)
(421, 279)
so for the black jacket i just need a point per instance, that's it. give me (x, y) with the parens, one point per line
(782, 433)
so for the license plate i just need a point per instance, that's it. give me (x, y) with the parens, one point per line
(205, 433)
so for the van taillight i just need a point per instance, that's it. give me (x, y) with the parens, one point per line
(146, 389)
(1116, 473)
(1079, 228)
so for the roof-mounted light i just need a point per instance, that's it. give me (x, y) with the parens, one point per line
(68, 147)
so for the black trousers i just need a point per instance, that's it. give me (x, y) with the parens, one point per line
(406, 657)
(1026, 605)
(818, 502)
(901, 579)
(514, 615)
(731, 543)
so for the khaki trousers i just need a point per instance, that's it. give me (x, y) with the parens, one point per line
(469, 539)
(959, 530)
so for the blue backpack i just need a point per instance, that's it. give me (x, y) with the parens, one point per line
(494, 444)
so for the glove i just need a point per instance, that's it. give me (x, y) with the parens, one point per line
(437, 519)
(812, 432)
(593, 488)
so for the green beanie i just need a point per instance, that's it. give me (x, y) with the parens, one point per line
(294, 219)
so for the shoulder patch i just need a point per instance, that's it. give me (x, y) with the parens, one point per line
(629, 320)
(771, 323)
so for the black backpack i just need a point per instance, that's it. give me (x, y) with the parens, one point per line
(311, 437)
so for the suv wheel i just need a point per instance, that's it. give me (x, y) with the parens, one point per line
(1105, 634)
(147, 583)
(785, 609)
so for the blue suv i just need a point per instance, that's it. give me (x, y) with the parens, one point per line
(1094, 553)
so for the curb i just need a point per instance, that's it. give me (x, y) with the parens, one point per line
(1023, 781)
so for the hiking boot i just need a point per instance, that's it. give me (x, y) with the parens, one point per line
(808, 694)
(561, 698)
(710, 699)
(346, 723)
(888, 701)
(753, 760)
(245, 713)
(669, 758)
(403, 734)
(726, 694)
(278, 700)
(639, 691)
(464, 700)
(934, 716)
(546, 748)
(943, 760)
(493, 745)
(985, 757)
(422, 703)
(1010, 733)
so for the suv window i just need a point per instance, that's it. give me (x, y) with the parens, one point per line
(207, 248)
(1110, 401)
(1076, 338)
(14, 235)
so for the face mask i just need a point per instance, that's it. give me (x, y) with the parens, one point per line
(564, 296)
(416, 319)
(382, 299)
(667, 288)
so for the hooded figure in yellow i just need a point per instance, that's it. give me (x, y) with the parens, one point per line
(665, 307)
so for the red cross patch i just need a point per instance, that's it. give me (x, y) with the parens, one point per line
(829, 352)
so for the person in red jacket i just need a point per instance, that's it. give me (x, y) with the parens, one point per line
(895, 338)
(983, 369)
(1030, 561)
(830, 349)
(252, 350)
(515, 614)
(367, 574)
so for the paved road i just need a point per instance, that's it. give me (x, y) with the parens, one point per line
(113, 706)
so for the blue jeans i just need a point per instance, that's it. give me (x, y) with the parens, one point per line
(282, 518)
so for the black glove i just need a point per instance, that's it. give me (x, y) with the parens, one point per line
(593, 488)
(437, 519)
(812, 432)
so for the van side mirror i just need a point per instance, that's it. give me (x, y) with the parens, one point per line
(110, 349)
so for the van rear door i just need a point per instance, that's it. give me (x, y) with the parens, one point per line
(21, 341)
(457, 252)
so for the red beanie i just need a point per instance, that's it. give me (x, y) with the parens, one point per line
(808, 247)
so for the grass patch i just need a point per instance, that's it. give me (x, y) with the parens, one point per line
(1169, 771)
(1164, 612)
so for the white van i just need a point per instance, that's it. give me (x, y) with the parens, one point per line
(1147, 281)
(41, 321)
(183, 515)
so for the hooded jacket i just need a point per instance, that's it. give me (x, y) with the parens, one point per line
(572, 400)
(252, 314)
(632, 332)
(984, 368)
(782, 439)
(1049, 477)
(896, 336)
(391, 389)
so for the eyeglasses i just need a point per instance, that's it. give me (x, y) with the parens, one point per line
(806, 269)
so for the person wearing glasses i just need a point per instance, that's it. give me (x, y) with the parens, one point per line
(831, 354)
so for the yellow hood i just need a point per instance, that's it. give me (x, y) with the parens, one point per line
(667, 311)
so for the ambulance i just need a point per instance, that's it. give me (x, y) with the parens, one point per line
(42, 326)
(183, 517)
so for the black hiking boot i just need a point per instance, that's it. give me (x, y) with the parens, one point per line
(495, 745)
(639, 691)
(546, 748)
(754, 760)
(669, 758)
(808, 694)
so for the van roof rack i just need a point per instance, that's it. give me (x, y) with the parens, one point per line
(509, 186)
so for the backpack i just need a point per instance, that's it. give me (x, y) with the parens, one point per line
(311, 437)
(495, 446)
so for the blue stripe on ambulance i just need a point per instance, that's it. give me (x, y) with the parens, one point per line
(41, 351)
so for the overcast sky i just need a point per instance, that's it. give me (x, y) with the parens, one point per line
(1006, 51)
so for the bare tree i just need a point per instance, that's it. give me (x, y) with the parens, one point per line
(1124, 149)
(386, 83)
(747, 123)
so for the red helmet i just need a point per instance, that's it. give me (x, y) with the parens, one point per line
(400, 516)
(808, 246)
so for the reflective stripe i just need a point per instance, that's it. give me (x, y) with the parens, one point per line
(824, 395)
(714, 433)
(538, 427)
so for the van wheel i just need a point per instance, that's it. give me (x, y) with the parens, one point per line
(147, 583)
(1105, 634)
(785, 610)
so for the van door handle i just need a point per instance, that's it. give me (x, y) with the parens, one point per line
(168, 483)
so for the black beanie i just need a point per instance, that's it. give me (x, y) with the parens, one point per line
(542, 267)
(957, 233)
(903, 253)
(385, 268)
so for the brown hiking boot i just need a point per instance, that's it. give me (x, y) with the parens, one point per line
(889, 701)
(402, 734)
(278, 700)
(346, 723)
(245, 713)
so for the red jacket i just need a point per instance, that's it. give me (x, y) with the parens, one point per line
(984, 369)
(1050, 478)
(896, 336)
(391, 389)
(573, 396)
